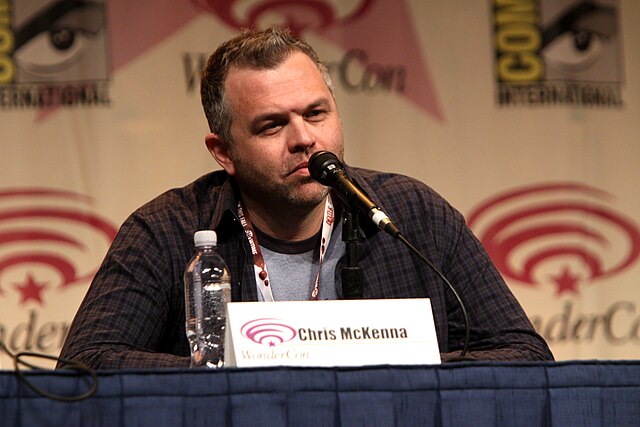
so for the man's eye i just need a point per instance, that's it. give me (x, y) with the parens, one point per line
(315, 114)
(270, 128)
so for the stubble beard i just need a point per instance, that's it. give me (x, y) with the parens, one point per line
(310, 199)
(297, 196)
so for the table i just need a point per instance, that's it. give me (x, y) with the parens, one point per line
(577, 393)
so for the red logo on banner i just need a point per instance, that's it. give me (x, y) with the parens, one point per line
(562, 233)
(297, 15)
(46, 240)
(378, 34)
(268, 332)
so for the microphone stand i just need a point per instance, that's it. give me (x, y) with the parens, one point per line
(352, 282)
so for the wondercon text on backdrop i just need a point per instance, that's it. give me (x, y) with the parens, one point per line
(371, 64)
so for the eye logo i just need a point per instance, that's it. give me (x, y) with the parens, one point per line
(298, 15)
(48, 237)
(53, 53)
(57, 37)
(558, 52)
(268, 332)
(576, 38)
(563, 233)
(61, 41)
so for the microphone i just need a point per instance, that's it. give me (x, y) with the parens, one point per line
(327, 169)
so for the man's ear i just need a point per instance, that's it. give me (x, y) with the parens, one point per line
(220, 151)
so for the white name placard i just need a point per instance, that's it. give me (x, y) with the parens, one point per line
(331, 333)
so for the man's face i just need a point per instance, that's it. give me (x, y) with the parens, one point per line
(280, 118)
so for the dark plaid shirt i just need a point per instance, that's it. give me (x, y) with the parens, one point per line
(133, 314)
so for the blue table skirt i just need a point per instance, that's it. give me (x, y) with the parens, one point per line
(585, 393)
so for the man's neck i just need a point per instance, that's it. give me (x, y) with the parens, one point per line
(290, 224)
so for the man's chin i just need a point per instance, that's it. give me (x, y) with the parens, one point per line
(309, 195)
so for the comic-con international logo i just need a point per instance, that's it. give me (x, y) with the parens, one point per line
(50, 241)
(558, 52)
(52, 53)
(566, 235)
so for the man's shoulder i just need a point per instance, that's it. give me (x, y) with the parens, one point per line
(195, 198)
(376, 176)
(401, 195)
(391, 183)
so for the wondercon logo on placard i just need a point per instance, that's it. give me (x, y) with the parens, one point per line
(268, 331)
(565, 234)
(50, 240)
(558, 52)
(52, 53)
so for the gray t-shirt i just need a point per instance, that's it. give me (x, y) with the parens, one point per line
(293, 266)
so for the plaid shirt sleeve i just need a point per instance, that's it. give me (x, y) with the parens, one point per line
(499, 328)
(130, 312)
(133, 313)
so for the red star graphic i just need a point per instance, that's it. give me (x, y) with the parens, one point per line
(31, 290)
(567, 281)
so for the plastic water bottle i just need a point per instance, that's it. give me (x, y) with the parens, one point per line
(207, 289)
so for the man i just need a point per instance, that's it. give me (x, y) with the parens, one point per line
(270, 106)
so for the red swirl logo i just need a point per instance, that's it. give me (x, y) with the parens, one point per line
(268, 332)
(297, 15)
(565, 233)
(48, 237)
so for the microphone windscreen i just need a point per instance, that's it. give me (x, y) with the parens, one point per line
(322, 164)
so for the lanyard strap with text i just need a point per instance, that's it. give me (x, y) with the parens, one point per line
(259, 266)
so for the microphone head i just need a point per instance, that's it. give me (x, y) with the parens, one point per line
(324, 166)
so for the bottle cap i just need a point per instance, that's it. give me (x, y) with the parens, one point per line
(205, 238)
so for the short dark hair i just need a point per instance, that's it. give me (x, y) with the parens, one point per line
(259, 50)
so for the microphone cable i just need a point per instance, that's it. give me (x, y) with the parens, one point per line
(67, 364)
(467, 332)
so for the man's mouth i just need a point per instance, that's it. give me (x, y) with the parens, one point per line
(300, 168)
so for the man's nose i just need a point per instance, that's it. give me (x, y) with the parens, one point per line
(302, 136)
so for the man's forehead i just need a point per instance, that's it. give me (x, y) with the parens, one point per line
(296, 79)
(295, 61)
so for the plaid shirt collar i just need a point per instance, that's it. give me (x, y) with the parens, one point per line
(225, 220)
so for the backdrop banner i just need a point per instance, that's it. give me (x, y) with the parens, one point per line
(524, 114)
